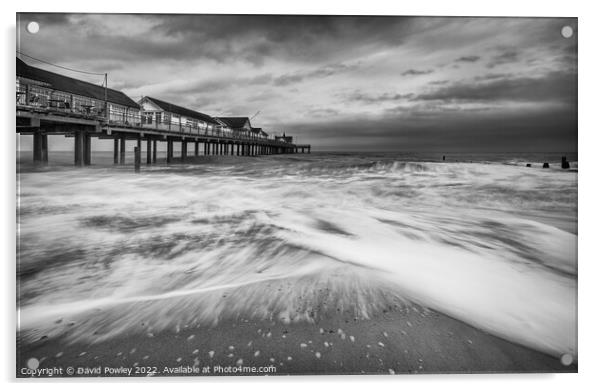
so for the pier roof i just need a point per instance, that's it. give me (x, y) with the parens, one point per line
(74, 86)
(170, 107)
(235, 122)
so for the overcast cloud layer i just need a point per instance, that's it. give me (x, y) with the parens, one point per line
(340, 83)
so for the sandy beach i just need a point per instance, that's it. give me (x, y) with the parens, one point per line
(398, 341)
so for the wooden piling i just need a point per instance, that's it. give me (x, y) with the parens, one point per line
(115, 150)
(149, 151)
(37, 148)
(122, 149)
(44, 149)
(87, 140)
(137, 159)
(196, 148)
(169, 151)
(154, 151)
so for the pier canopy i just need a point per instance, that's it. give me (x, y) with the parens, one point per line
(40, 88)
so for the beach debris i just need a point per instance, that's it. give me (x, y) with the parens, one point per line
(321, 330)
(385, 334)
(283, 335)
(195, 351)
(409, 323)
(303, 345)
(231, 355)
(256, 354)
(272, 359)
(382, 345)
(368, 346)
(339, 331)
(528, 164)
(177, 328)
(269, 334)
(145, 358)
(250, 343)
(178, 359)
(352, 338)
(136, 364)
(197, 362)
(239, 362)
(119, 354)
(133, 351)
(72, 323)
(58, 321)
(258, 331)
(82, 354)
(190, 338)
(343, 335)
(318, 354)
(59, 354)
(150, 335)
(469, 341)
(392, 372)
(326, 344)
(289, 358)
(546, 165)
(211, 353)
(230, 348)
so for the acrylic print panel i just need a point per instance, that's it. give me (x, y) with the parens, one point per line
(284, 194)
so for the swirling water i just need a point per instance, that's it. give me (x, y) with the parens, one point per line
(293, 238)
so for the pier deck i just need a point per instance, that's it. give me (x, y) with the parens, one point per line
(43, 121)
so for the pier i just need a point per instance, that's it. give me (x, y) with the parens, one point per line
(52, 104)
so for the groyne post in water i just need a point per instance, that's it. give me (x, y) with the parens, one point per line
(565, 163)
(137, 159)
(546, 165)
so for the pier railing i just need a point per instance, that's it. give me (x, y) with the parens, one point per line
(41, 99)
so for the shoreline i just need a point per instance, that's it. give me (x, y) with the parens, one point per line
(394, 342)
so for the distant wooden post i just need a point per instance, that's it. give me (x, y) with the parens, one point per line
(565, 163)
(137, 159)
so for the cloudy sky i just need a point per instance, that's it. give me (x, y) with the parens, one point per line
(340, 83)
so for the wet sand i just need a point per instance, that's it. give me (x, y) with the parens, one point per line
(397, 341)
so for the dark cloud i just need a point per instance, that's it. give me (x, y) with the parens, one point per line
(321, 72)
(554, 86)
(358, 96)
(416, 72)
(505, 57)
(468, 59)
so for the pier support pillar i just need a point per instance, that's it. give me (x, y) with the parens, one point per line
(169, 151)
(137, 158)
(44, 149)
(154, 151)
(196, 148)
(115, 151)
(122, 149)
(37, 148)
(184, 149)
(149, 151)
(78, 149)
(87, 149)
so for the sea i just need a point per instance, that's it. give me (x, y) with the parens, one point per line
(292, 238)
